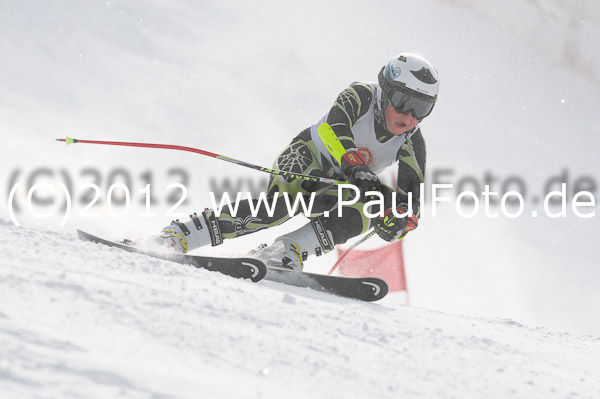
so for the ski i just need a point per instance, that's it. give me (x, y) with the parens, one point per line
(365, 288)
(248, 268)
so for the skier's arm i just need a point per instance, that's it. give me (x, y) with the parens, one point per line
(350, 105)
(411, 172)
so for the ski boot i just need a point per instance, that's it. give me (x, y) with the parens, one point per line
(198, 232)
(282, 253)
(291, 250)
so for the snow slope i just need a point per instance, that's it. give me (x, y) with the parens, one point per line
(82, 320)
(519, 97)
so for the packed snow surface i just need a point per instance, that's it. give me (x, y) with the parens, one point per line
(79, 319)
(519, 100)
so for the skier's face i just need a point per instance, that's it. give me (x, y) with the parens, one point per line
(397, 123)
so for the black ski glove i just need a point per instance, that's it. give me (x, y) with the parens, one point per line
(391, 227)
(359, 174)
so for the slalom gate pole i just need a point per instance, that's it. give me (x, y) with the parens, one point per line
(327, 180)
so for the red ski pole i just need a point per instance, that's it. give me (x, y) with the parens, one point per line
(327, 180)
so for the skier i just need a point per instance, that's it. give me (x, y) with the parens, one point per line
(377, 124)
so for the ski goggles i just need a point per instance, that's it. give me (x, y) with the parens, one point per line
(405, 102)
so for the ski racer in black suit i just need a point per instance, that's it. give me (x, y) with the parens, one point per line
(377, 124)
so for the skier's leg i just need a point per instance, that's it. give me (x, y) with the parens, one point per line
(352, 221)
(292, 249)
(301, 156)
(320, 235)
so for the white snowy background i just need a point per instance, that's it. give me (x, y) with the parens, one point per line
(519, 95)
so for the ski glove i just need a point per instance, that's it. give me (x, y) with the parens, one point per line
(391, 227)
(358, 173)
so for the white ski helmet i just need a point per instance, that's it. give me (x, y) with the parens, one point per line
(410, 84)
